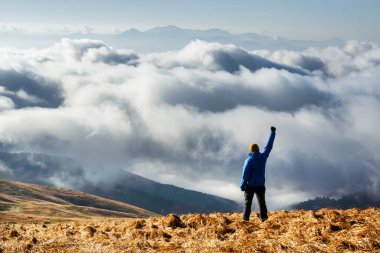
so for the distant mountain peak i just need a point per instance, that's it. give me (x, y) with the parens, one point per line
(168, 28)
(134, 30)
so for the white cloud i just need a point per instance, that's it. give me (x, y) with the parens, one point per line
(189, 116)
(4, 167)
(216, 57)
(6, 103)
(354, 57)
(11, 29)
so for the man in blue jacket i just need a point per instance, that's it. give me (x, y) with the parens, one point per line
(253, 179)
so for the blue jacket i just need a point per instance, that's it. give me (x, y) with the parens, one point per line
(254, 166)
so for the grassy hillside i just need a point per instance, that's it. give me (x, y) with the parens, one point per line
(294, 231)
(127, 187)
(19, 200)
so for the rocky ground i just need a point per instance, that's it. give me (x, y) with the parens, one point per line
(285, 231)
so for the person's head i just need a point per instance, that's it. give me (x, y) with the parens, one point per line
(254, 148)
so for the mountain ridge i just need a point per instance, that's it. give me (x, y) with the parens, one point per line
(126, 187)
(167, 198)
(355, 200)
(170, 37)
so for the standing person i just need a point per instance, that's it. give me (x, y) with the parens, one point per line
(253, 178)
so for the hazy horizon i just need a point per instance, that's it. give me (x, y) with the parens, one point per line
(296, 19)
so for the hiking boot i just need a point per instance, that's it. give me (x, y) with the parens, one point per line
(264, 218)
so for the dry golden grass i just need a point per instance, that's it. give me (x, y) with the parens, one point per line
(294, 231)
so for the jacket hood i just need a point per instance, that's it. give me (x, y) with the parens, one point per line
(253, 154)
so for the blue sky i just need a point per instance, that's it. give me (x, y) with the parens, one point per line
(304, 19)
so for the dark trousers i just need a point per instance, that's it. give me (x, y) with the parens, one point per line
(260, 195)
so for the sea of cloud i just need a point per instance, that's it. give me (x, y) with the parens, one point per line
(187, 117)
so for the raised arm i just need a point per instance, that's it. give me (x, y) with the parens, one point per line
(269, 146)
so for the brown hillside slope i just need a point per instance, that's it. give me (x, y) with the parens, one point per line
(294, 231)
(21, 200)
